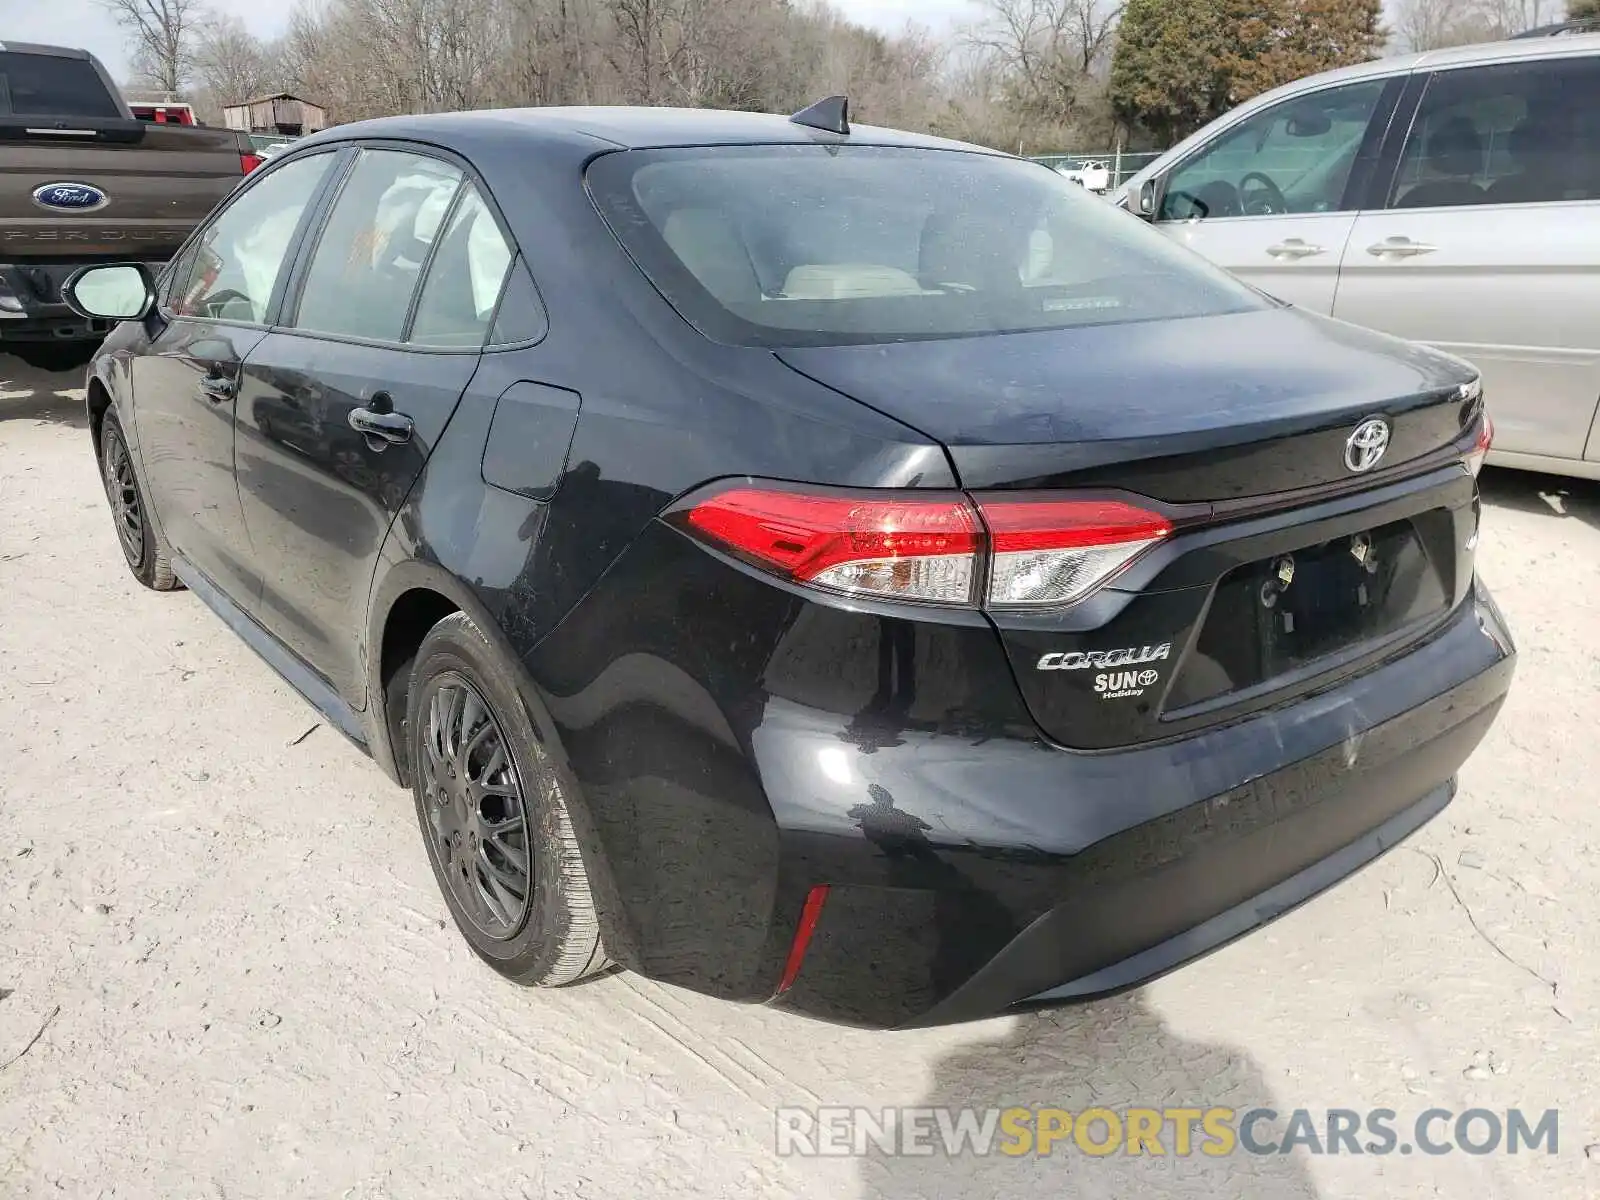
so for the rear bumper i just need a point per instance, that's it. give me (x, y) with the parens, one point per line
(968, 880)
(31, 309)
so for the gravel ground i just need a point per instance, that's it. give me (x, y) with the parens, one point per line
(225, 971)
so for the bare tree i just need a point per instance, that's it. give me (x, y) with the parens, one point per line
(641, 33)
(1047, 57)
(163, 34)
(550, 52)
(230, 63)
(1432, 24)
(1427, 24)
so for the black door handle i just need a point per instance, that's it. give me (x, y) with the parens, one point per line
(380, 424)
(217, 387)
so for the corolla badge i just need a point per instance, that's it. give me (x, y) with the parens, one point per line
(70, 197)
(1365, 447)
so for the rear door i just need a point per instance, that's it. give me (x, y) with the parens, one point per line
(215, 310)
(341, 405)
(1271, 197)
(1488, 244)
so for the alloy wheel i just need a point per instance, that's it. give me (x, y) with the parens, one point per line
(476, 808)
(123, 492)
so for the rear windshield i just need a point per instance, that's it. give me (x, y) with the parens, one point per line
(45, 85)
(828, 245)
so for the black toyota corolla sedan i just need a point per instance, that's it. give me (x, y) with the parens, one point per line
(812, 565)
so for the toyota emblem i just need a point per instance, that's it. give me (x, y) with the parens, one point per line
(1365, 447)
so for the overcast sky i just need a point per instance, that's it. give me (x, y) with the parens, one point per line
(84, 22)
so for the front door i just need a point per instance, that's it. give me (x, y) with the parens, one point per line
(340, 408)
(1272, 197)
(1488, 245)
(214, 309)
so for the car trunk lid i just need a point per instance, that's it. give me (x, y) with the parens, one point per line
(1285, 568)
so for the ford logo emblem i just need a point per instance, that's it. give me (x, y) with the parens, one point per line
(70, 197)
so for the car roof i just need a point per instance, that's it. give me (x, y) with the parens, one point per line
(1513, 50)
(632, 128)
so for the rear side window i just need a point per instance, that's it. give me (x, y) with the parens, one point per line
(43, 85)
(465, 279)
(812, 245)
(369, 259)
(230, 272)
(1518, 133)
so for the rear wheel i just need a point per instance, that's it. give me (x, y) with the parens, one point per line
(493, 812)
(146, 551)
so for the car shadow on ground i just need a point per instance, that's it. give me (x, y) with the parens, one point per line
(1547, 495)
(1116, 1054)
(29, 394)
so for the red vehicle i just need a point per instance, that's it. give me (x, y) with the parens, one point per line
(163, 114)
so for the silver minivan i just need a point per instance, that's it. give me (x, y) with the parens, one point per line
(1451, 198)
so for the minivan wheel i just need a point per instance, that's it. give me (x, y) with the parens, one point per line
(493, 812)
(146, 551)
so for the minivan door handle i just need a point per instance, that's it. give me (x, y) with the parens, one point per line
(1399, 247)
(1294, 248)
(380, 424)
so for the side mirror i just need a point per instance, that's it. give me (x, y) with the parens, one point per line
(1144, 204)
(114, 292)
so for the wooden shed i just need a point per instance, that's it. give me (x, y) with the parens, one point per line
(283, 113)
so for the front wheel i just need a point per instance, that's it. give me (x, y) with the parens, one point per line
(494, 813)
(146, 551)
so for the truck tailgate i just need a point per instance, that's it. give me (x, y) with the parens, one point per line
(159, 182)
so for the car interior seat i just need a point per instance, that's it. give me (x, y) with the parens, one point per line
(1454, 149)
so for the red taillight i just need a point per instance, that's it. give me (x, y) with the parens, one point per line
(1480, 449)
(250, 162)
(906, 548)
(1048, 552)
(933, 547)
(802, 936)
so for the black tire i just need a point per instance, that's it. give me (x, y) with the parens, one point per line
(147, 554)
(544, 931)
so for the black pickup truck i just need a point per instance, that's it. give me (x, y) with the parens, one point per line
(83, 181)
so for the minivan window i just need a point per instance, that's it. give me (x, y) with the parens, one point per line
(231, 270)
(458, 300)
(797, 245)
(370, 255)
(1517, 133)
(1293, 157)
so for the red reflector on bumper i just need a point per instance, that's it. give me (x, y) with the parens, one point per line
(802, 936)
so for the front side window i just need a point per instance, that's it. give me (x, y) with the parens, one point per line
(370, 256)
(458, 300)
(799, 245)
(230, 272)
(1520, 133)
(1294, 157)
